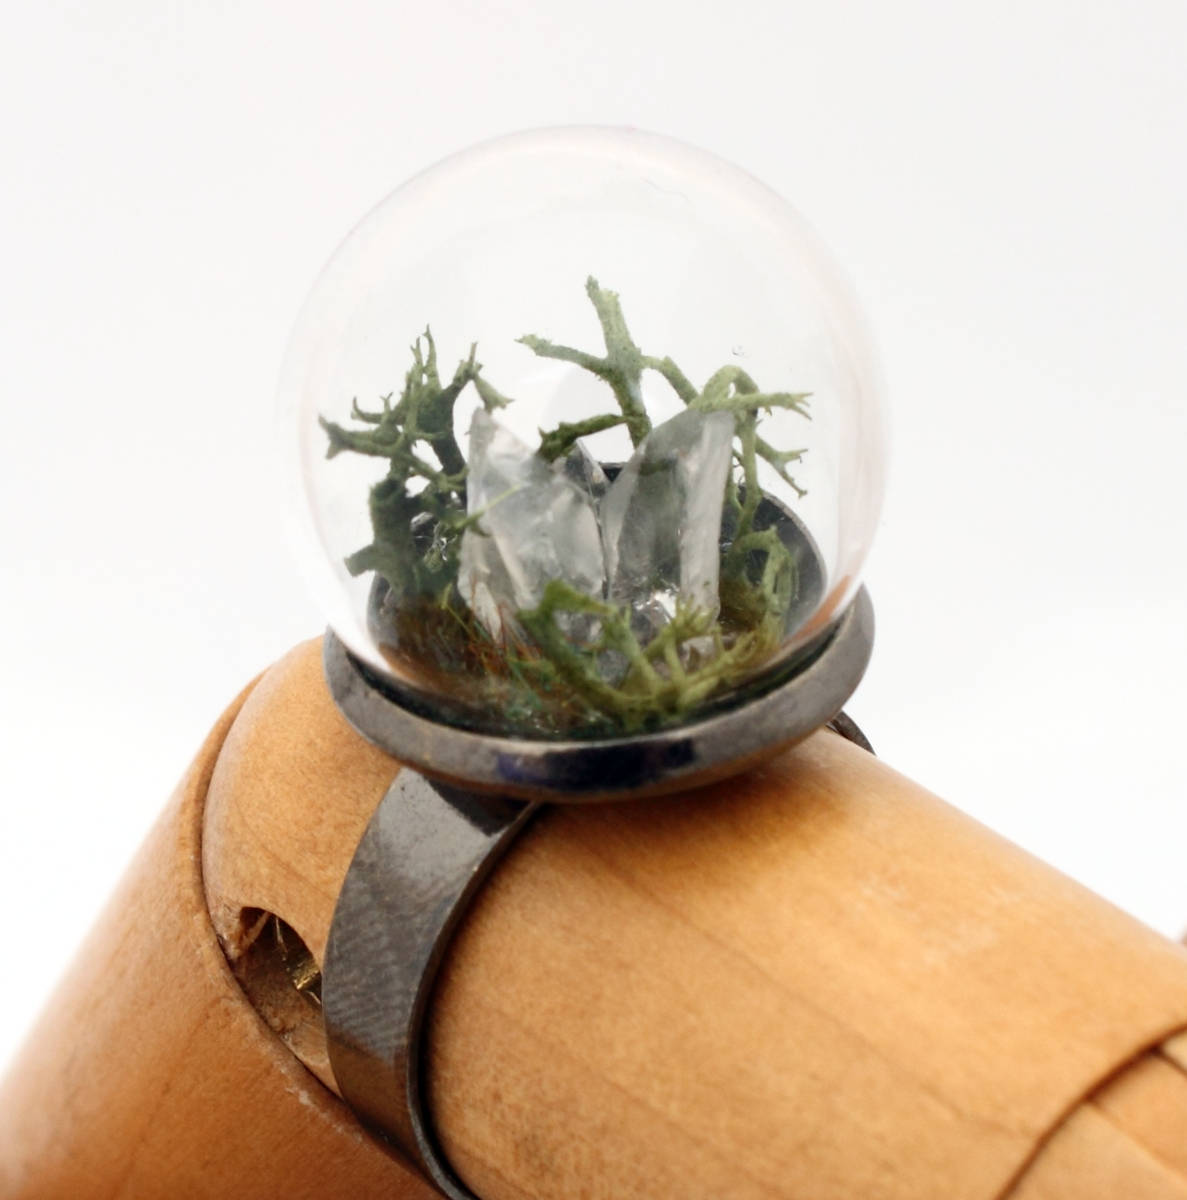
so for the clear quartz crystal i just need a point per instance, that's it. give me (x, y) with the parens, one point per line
(661, 519)
(534, 526)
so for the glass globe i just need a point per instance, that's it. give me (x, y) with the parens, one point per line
(587, 432)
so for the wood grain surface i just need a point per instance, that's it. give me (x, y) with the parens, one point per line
(815, 980)
(812, 982)
(149, 1076)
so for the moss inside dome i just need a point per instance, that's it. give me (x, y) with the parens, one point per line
(537, 591)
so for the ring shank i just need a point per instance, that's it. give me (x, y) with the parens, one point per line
(424, 853)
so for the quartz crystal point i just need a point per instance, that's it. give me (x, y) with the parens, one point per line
(534, 526)
(661, 519)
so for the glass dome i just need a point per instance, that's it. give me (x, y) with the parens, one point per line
(585, 433)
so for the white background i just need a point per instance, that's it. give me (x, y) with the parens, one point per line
(1006, 184)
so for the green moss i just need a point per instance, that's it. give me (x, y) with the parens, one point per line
(539, 677)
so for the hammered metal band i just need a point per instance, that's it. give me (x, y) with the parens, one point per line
(429, 846)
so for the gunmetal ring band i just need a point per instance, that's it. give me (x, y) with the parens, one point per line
(430, 845)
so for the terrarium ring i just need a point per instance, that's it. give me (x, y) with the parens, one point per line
(588, 431)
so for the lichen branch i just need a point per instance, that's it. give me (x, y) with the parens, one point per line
(572, 653)
(411, 556)
(662, 680)
(730, 389)
(559, 441)
(621, 366)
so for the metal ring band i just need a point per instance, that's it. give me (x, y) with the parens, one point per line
(850, 730)
(424, 854)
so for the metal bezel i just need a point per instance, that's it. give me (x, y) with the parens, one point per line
(573, 772)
